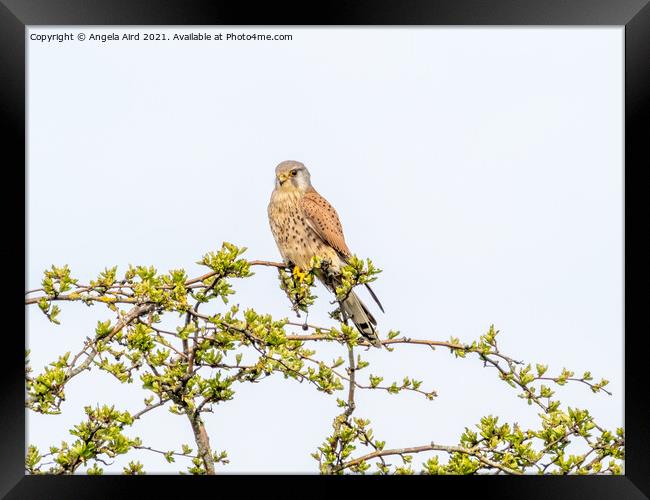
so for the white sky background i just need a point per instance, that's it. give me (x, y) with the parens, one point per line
(481, 169)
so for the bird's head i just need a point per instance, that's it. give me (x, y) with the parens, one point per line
(292, 175)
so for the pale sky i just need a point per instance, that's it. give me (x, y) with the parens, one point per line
(480, 168)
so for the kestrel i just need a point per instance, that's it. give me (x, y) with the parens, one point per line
(305, 225)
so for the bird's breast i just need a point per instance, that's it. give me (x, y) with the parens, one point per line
(296, 240)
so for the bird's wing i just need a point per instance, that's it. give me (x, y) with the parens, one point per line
(323, 219)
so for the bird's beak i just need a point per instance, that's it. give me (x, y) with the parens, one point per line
(282, 178)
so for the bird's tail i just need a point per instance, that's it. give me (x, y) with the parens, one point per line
(359, 314)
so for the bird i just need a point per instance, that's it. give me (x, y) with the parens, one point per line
(304, 224)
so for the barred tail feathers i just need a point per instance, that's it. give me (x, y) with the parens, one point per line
(359, 314)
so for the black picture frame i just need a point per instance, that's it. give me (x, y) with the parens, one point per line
(15, 15)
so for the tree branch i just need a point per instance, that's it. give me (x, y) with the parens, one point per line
(431, 447)
(202, 440)
(352, 383)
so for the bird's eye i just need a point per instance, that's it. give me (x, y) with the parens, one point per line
(294, 172)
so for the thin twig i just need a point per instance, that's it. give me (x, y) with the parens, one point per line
(149, 408)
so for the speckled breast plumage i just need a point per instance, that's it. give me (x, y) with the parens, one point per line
(297, 242)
